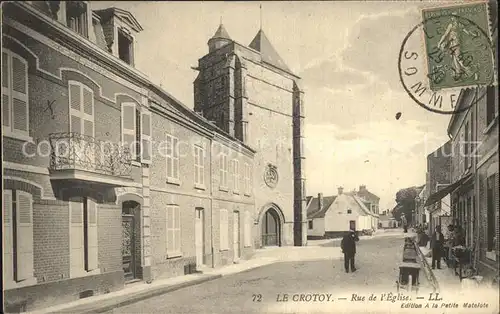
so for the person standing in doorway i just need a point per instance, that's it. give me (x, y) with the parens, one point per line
(348, 246)
(437, 243)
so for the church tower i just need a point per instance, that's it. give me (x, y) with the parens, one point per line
(250, 92)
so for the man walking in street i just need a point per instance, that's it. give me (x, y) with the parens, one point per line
(348, 246)
(437, 243)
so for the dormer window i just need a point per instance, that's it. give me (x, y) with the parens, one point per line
(76, 17)
(124, 46)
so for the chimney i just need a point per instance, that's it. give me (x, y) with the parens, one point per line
(320, 201)
(341, 189)
(362, 188)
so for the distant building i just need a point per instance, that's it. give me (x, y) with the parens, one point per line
(338, 214)
(437, 179)
(386, 221)
(371, 202)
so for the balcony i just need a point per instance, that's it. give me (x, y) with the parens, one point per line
(78, 157)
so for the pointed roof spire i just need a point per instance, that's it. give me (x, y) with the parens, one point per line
(221, 32)
(268, 54)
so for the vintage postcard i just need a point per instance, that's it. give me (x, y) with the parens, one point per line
(250, 157)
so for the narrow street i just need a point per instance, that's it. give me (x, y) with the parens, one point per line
(318, 270)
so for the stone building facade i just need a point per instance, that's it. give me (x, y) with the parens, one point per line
(107, 178)
(249, 92)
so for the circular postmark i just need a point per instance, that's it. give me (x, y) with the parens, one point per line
(458, 54)
(271, 176)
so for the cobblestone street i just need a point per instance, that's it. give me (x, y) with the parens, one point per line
(317, 269)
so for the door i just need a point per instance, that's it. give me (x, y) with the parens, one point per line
(128, 249)
(270, 229)
(352, 224)
(236, 235)
(199, 238)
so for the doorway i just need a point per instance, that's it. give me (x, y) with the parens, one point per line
(352, 225)
(199, 237)
(236, 236)
(131, 246)
(270, 228)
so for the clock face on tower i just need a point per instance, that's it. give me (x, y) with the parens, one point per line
(271, 176)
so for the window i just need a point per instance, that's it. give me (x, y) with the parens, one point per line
(224, 230)
(15, 101)
(18, 235)
(349, 211)
(235, 172)
(199, 166)
(76, 17)
(248, 229)
(129, 127)
(310, 222)
(83, 236)
(491, 195)
(172, 159)
(125, 46)
(247, 179)
(81, 109)
(223, 170)
(173, 231)
(490, 104)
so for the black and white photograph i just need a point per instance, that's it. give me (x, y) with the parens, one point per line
(228, 157)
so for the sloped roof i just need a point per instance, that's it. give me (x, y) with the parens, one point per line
(221, 32)
(368, 195)
(361, 204)
(125, 16)
(268, 54)
(313, 210)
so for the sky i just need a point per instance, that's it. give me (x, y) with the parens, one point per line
(346, 54)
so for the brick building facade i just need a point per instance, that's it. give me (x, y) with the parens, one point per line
(108, 179)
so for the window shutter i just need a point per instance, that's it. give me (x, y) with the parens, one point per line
(146, 137)
(221, 170)
(224, 229)
(196, 153)
(76, 236)
(177, 229)
(24, 221)
(19, 95)
(75, 108)
(248, 230)
(175, 144)
(129, 127)
(88, 111)
(8, 265)
(6, 113)
(170, 229)
(92, 244)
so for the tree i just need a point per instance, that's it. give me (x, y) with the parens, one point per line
(405, 198)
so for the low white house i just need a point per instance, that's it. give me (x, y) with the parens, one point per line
(387, 221)
(332, 216)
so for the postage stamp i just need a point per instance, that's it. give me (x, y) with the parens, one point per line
(458, 47)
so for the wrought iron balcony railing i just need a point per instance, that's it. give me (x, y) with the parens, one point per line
(75, 151)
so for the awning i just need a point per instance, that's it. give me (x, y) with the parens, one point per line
(445, 191)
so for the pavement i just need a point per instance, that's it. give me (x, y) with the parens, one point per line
(258, 284)
(308, 279)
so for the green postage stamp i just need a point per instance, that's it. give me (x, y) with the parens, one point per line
(458, 47)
